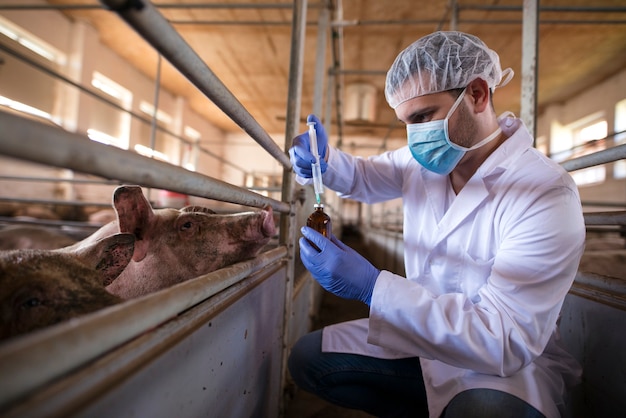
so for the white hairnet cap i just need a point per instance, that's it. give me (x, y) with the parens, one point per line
(442, 61)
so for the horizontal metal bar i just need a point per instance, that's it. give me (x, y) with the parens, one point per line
(605, 218)
(604, 203)
(34, 141)
(69, 394)
(59, 180)
(597, 158)
(158, 5)
(606, 290)
(111, 103)
(155, 29)
(38, 358)
(583, 9)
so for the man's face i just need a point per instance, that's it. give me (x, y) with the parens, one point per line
(430, 107)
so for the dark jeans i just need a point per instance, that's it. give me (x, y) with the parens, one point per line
(388, 388)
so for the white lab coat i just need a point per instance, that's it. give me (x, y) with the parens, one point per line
(487, 272)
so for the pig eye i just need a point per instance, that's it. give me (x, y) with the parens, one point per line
(186, 225)
(32, 303)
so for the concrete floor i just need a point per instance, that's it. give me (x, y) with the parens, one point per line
(332, 310)
(306, 405)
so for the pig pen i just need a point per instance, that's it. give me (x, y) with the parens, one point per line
(215, 345)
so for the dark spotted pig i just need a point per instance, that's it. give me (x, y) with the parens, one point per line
(39, 288)
(174, 245)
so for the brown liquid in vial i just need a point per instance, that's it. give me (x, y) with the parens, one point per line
(319, 221)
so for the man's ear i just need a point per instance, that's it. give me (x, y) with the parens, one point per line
(478, 91)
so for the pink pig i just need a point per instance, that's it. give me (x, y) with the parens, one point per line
(174, 245)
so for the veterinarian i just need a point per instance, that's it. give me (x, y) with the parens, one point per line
(493, 233)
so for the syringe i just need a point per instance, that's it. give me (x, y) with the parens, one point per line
(317, 170)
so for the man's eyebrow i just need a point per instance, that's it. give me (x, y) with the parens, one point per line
(418, 114)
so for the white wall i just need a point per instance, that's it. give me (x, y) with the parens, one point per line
(85, 54)
(601, 98)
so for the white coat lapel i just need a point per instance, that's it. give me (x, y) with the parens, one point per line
(435, 187)
(464, 204)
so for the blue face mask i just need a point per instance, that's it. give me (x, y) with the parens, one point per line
(430, 144)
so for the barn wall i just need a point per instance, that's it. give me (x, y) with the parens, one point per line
(601, 98)
(77, 111)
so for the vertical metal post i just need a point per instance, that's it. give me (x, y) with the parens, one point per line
(288, 220)
(454, 15)
(155, 111)
(320, 63)
(529, 64)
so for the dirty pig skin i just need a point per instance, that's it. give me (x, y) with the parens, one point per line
(39, 288)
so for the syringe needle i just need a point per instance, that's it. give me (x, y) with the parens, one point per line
(317, 170)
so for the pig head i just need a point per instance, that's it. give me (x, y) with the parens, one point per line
(39, 288)
(174, 245)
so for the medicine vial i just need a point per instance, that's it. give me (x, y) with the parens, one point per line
(320, 221)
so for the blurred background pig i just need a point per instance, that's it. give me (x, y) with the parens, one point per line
(174, 245)
(39, 288)
(15, 237)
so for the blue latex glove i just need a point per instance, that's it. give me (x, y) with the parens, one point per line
(337, 267)
(300, 151)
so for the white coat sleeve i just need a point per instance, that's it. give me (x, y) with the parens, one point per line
(370, 180)
(511, 321)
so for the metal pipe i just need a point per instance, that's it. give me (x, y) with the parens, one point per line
(59, 180)
(461, 21)
(155, 29)
(72, 344)
(337, 53)
(110, 102)
(160, 6)
(288, 221)
(320, 63)
(583, 9)
(600, 157)
(530, 46)
(605, 218)
(30, 140)
(604, 290)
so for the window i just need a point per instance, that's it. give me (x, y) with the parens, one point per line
(190, 150)
(110, 124)
(23, 87)
(590, 138)
(619, 167)
(585, 136)
(31, 42)
(165, 145)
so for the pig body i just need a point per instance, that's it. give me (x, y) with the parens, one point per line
(16, 237)
(174, 245)
(39, 288)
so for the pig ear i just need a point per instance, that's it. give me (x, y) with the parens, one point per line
(109, 256)
(134, 215)
(133, 210)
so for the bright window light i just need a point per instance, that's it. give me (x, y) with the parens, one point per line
(30, 41)
(110, 87)
(21, 107)
(103, 138)
(192, 133)
(160, 115)
(149, 152)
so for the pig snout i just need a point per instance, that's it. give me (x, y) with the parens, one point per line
(268, 228)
